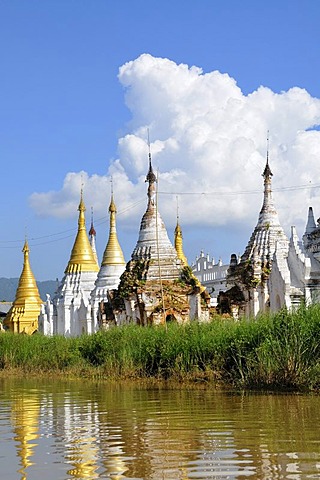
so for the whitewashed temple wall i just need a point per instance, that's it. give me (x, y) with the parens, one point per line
(279, 283)
(108, 279)
(211, 275)
(69, 312)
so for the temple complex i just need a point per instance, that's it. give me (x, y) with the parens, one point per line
(23, 315)
(157, 285)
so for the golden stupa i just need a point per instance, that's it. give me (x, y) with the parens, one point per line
(82, 258)
(178, 244)
(113, 254)
(23, 315)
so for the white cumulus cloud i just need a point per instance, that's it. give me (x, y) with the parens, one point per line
(208, 141)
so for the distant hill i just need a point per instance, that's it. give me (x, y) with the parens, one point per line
(8, 287)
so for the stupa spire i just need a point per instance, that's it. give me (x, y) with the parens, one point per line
(113, 254)
(92, 231)
(178, 240)
(152, 180)
(82, 257)
(268, 214)
(153, 245)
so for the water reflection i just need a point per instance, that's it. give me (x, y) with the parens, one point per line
(25, 411)
(66, 430)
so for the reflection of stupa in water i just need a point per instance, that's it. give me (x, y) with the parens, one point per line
(115, 465)
(82, 453)
(25, 417)
(84, 450)
(80, 435)
(90, 454)
(84, 460)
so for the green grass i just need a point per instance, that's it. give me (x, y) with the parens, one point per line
(280, 351)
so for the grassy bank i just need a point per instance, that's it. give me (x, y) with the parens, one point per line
(279, 351)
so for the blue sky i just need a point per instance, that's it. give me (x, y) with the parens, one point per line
(64, 109)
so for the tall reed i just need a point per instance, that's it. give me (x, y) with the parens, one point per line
(272, 351)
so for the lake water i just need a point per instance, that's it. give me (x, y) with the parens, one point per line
(55, 430)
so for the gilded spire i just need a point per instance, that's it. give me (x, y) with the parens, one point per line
(23, 315)
(178, 243)
(113, 254)
(82, 257)
(27, 288)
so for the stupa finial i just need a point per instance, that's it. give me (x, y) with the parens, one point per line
(151, 179)
(267, 170)
(177, 200)
(92, 231)
(82, 258)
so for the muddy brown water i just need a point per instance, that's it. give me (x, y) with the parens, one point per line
(56, 430)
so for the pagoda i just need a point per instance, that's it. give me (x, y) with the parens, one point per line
(112, 266)
(157, 286)
(249, 277)
(23, 315)
(69, 312)
(178, 243)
